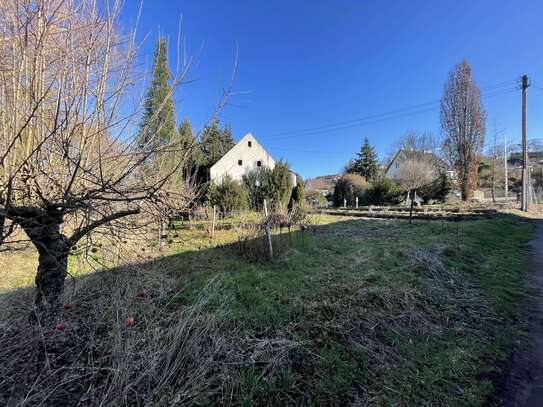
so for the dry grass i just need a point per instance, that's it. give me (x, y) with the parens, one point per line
(166, 356)
(125, 344)
(367, 312)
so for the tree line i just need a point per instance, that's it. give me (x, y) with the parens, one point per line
(199, 152)
(158, 128)
(79, 152)
(463, 124)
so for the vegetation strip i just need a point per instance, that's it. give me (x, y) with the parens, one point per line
(372, 311)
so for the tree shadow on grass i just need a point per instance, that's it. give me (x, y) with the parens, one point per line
(333, 307)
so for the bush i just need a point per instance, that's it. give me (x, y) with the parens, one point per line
(297, 196)
(273, 185)
(229, 195)
(315, 198)
(282, 185)
(383, 191)
(437, 189)
(349, 187)
(259, 186)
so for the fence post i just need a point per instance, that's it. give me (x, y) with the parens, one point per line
(356, 202)
(344, 203)
(213, 221)
(268, 231)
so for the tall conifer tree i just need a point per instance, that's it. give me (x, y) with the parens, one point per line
(189, 148)
(366, 163)
(158, 124)
(215, 142)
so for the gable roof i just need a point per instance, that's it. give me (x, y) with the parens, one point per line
(230, 153)
(406, 155)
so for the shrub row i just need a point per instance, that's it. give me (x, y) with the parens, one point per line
(385, 191)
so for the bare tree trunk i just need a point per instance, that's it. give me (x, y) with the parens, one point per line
(412, 195)
(53, 249)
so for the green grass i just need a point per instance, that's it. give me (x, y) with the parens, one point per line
(373, 326)
(381, 312)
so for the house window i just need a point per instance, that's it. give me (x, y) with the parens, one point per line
(240, 162)
(250, 143)
(259, 163)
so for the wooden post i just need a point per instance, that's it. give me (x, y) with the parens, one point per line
(356, 202)
(525, 163)
(344, 203)
(414, 194)
(213, 222)
(161, 233)
(268, 231)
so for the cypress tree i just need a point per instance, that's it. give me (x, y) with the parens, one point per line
(215, 142)
(189, 147)
(366, 163)
(158, 126)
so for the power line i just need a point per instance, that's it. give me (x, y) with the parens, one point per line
(395, 114)
(494, 93)
(306, 151)
(392, 112)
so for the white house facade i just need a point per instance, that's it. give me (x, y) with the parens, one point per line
(247, 155)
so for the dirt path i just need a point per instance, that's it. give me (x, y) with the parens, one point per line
(523, 385)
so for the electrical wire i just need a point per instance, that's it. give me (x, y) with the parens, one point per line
(393, 112)
(382, 117)
(491, 94)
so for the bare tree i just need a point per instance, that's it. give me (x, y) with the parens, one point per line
(496, 152)
(70, 163)
(421, 142)
(413, 175)
(463, 121)
(423, 145)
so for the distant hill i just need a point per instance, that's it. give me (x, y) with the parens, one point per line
(322, 183)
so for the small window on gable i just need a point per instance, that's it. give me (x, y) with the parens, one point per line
(240, 162)
(250, 143)
(259, 163)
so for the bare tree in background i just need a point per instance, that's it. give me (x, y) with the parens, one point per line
(413, 175)
(424, 142)
(70, 163)
(463, 121)
(496, 152)
(419, 144)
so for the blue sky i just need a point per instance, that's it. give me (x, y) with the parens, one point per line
(315, 63)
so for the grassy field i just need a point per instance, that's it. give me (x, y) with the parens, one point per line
(374, 312)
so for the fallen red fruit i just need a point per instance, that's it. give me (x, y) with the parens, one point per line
(68, 306)
(141, 294)
(61, 326)
(129, 321)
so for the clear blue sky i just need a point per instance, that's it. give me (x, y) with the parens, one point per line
(312, 63)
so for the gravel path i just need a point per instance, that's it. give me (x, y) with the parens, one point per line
(523, 385)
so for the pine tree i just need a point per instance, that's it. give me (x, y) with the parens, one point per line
(189, 147)
(158, 124)
(215, 143)
(366, 163)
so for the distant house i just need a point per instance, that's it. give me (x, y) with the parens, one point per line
(323, 184)
(535, 159)
(246, 156)
(404, 156)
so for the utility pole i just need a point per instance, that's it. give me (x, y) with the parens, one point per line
(525, 175)
(505, 164)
